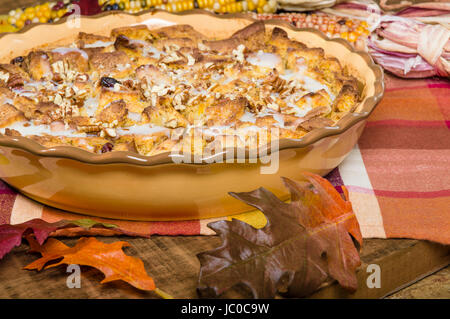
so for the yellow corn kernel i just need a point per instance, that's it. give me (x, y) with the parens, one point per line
(352, 36)
(359, 30)
(344, 35)
(251, 5)
(20, 24)
(330, 28)
(42, 19)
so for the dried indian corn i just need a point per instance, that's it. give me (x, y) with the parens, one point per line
(46, 12)
(220, 6)
(353, 30)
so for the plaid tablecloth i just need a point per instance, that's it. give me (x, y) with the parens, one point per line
(398, 175)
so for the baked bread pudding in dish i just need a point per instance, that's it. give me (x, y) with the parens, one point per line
(157, 90)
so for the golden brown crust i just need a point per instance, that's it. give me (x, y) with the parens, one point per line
(73, 60)
(112, 63)
(114, 112)
(38, 65)
(89, 38)
(173, 88)
(178, 31)
(252, 36)
(164, 114)
(138, 32)
(9, 114)
(226, 111)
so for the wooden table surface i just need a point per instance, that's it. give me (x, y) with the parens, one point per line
(172, 262)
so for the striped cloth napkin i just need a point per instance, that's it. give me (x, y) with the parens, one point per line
(398, 175)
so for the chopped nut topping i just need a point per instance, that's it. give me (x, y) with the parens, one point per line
(152, 86)
(4, 76)
(238, 53)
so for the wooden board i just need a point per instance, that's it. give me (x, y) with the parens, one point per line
(401, 262)
(172, 262)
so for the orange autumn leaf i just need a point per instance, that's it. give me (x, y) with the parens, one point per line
(108, 258)
(324, 205)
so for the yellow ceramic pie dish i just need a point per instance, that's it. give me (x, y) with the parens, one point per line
(127, 185)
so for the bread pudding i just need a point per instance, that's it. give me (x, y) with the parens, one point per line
(173, 89)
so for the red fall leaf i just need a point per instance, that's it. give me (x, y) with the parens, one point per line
(11, 235)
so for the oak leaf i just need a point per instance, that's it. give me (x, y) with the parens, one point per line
(88, 251)
(304, 243)
(11, 235)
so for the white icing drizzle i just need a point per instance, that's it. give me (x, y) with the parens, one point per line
(310, 84)
(151, 51)
(98, 44)
(136, 117)
(248, 117)
(264, 59)
(64, 50)
(90, 106)
(142, 129)
(41, 129)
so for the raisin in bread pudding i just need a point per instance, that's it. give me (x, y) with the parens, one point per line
(156, 90)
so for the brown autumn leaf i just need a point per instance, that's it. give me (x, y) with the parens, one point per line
(304, 243)
(88, 251)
